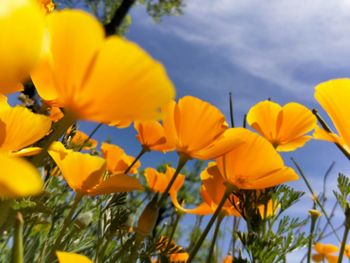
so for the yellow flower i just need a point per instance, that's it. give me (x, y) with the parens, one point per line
(212, 190)
(254, 164)
(151, 135)
(66, 257)
(20, 128)
(97, 78)
(18, 178)
(85, 173)
(325, 251)
(347, 251)
(334, 97)
(79, 138)
(158, 181)
(22, 26)
(197, 129)
(117, 160)
(285, 127)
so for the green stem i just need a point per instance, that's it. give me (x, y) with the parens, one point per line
(231, 111)
(65, 224)
(229, 189)
(142, 152)
(316, 199)
(328, 129)
(182, 161)
(173, 229)
(17, 249)
(342, 248)
(311, 236)
(90, 136)
(59, 129)
(236, 221)
(213, 241)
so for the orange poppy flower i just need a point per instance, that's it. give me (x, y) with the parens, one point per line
(347, 251)
(117, 160)
(85, 173)
(334, 97)
(18, 178)
(97, 78)
(20, 128)
(212, 190)
(151, 135)
(285, 127)
(79, 139)
(325, 251)
(158, 181)
(197, 129)
(22, 24)
(66, 257)
(254, 164)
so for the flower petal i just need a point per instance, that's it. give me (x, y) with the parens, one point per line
(66, 257)
(18, 178)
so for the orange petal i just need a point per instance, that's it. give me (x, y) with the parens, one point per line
(293, 144)
(116, 183)
(81, 171)
(66, 257)
(18, 178)
(29, 151)
(334, 97)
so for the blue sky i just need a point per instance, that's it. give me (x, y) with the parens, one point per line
(256, 50)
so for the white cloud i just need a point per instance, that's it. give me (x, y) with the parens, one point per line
(274, 39)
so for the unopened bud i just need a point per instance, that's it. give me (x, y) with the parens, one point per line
(148, 218)
(314, 213)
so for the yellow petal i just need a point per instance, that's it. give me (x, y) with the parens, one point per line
(79, 139)
(293, 144)
(134, 85)
(254, 164)
(178, 257)
(22, 128)
(66, 257)
(202, 209)
(18, 178)
(294, 121)
(228, 140)
(81, 171)
(116, 183)
(22, 26)
(263, 118)
(29, 151)
(334, 97)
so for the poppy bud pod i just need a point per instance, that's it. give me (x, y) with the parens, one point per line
(148, 218)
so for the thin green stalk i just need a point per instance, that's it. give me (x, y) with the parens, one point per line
(343, 243)
(229, 189)
(59, 129)
(213, 241)
(182, 161)
(17, 249)
(311, 236)
(316, 199)
(142, 152)
(328, 129)
(173, 229)
(90, 136)
(345, 235)
(231, 111)
(236, 221)
(65, 225)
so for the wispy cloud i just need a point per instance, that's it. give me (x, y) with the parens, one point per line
(293, 44)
